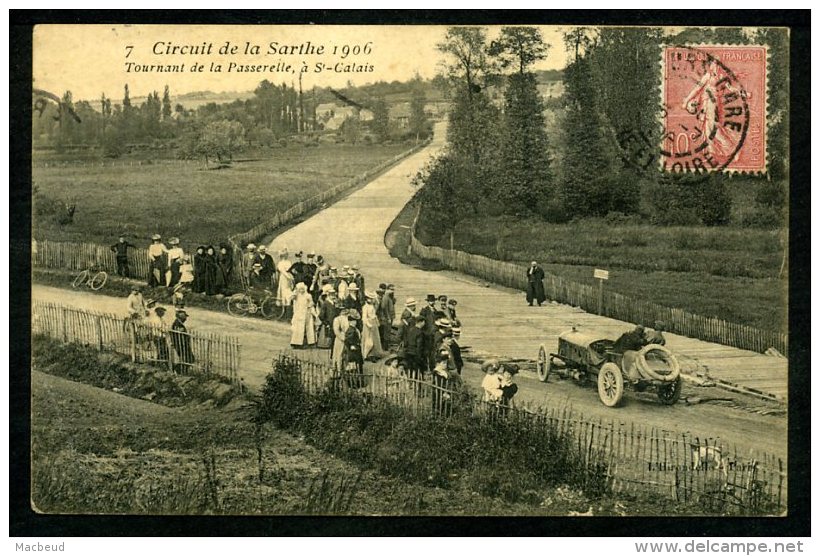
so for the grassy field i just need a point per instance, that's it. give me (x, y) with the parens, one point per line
(730, 273)
(196, 204)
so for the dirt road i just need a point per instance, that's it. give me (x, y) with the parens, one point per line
(497, 320)
(261, 340)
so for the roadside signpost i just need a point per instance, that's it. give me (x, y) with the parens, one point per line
(601, 275)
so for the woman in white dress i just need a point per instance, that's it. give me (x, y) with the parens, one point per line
(303, 331)
(371, 340)
(340, 325)
(284, 290)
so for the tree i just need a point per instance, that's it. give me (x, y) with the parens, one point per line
(418, 119)
(68, 129)
(524, 184)
(220, 140)
(469, 71)
(590, 184)
(519, 46)
(351, 130)
(105, 109)
(166, 104)
(381, 120)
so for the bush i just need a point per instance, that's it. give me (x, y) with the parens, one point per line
(460, 449)
(764, 217)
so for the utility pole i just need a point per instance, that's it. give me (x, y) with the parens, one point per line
(301, 106)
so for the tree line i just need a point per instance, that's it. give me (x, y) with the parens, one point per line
(217, 131)
(503, 159)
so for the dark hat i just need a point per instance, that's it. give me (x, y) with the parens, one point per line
(160, 310)
(382, 286)
(431, 297)
(511, 368)
(182, 313)
(353, 314)
(452, 302)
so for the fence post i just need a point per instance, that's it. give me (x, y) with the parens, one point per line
(168, 348)
(132, 332)
(65, 325)
(99, 332)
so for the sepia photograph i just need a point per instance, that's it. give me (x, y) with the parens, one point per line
(410, 270)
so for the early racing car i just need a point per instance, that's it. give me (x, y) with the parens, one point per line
(584, 356)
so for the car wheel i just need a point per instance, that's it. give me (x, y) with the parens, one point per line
(544, 364)
(669, 393)
(610, 384)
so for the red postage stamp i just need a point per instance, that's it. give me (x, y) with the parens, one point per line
(714, 108)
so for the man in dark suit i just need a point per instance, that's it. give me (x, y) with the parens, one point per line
(535, 284)
(268, 267)
(428, 313)
(121, 249)
(414, 355)
(297, 269)
(358, 279)
(181, 341)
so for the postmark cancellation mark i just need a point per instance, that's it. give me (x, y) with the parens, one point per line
(714, 108)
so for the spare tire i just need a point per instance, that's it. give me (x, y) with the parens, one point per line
(654, 352)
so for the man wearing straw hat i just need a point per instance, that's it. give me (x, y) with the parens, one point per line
(408, 319)
(352, 301)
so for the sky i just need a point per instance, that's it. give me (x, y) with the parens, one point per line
(89, 60)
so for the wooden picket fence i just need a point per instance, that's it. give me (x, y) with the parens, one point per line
(80, 256)
(109, 163)
(639, 458)
(615, 305)
(197, 352)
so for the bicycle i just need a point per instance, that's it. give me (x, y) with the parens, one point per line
(93, 277)
(251, 303)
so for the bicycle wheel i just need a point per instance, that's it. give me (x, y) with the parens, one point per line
(99, 280)
(272, 308)
(81, 279)
(239, 304)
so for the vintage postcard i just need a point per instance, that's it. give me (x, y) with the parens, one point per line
(410, 270)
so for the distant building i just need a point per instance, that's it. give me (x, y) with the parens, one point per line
(400, 113)
(326, 111)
